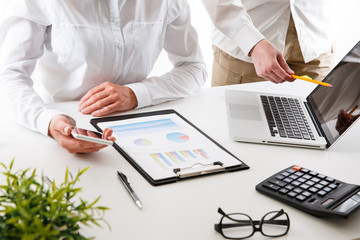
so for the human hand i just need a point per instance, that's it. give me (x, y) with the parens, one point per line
(344, 121)
(107, 98)
(60, 129)
(269, 63)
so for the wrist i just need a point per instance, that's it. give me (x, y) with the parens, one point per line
(60, 117)
(132, 96)
(253, 48)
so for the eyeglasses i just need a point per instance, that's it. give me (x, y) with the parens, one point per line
(240, 225)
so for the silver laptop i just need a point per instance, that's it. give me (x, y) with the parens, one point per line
(316, 121)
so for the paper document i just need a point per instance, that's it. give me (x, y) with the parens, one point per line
(161, 143)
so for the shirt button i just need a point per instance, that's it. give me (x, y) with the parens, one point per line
(118, 45)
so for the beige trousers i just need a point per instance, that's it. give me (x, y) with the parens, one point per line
(228, 70)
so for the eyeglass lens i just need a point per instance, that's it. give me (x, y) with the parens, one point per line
(238, 225)
(275, 224)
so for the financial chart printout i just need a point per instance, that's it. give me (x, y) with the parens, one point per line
(161, 143)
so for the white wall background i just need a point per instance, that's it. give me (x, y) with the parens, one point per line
(348, 32)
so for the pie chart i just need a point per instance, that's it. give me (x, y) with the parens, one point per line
(142, 142)
(177, 137)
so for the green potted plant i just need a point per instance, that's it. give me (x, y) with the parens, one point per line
(31, 210)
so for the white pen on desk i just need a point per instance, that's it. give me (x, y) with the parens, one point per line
(126, 184)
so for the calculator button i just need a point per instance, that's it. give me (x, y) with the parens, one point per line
(325, 183)
(292, 194)
(310, 183)
(312, 173)
(333, 186)
(304, 186)
(329, 179)
(307, 176)
(288, 180)
(327, 189)
(280, 177)
(315, 179)
(291, 170)
(297, 168)
(301, 198)
(302, 180)
(298, 190)
(293, 176)
(271, 186)
(279, 183)
(313, 189)
(283, 191)
(307, 194)
(321, 176)
(289, 187)
(296, 183)
(299, 174)
(305, 170)
(322, 193)
(319, 186)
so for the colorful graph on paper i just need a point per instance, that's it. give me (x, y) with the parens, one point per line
(177, 137)
(168, 160)
(143, 142)
(161, 143)
(147, 127)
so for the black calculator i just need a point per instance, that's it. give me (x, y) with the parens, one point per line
(312, 192)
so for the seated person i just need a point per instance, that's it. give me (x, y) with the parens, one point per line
(98, 52)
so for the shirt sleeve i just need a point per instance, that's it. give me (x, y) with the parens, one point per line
(189, 72)
(231, 18)
(20, 47)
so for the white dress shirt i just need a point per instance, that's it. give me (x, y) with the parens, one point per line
(75, 45)
(241, 24)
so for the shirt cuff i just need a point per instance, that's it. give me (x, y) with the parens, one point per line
(43, 120)
(247, 38)
(142, 94)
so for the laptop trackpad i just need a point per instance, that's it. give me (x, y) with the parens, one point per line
(243, 111)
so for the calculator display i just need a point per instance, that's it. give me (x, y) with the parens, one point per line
(349, 204)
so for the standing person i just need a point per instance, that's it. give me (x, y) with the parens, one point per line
(257, 40)
(98, 52)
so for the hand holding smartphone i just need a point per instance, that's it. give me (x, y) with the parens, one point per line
(90, 136)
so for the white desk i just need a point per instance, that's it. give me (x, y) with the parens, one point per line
(188, 209)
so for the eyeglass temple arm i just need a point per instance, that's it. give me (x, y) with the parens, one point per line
(281, 212)
(277, 222)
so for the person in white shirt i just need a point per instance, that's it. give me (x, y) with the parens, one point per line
(98, 52)
(255, 40)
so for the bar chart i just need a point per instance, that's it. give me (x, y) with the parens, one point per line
(168, 160)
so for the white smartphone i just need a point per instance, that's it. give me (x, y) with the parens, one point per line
(89, 135)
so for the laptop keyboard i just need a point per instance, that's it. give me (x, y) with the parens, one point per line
(286, 118)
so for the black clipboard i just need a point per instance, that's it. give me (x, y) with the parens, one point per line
(195, 170)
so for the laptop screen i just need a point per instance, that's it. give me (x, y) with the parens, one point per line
(336, 108)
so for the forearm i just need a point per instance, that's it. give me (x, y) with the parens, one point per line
(21, 46)
(234, 22)
(23, 105)
(181, 82)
